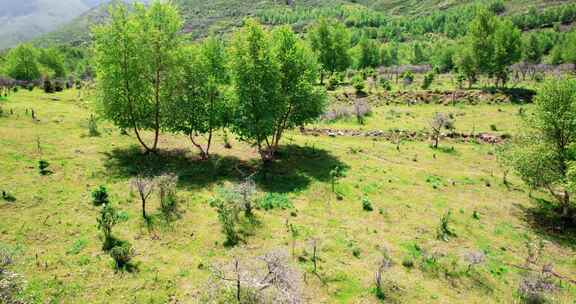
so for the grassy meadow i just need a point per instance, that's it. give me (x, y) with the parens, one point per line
(51, 223)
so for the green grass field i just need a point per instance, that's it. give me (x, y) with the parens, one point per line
(52, 223)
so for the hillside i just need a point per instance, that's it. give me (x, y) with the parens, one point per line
(203, 17)
(23, 20)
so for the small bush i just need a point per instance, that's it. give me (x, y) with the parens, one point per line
(58, 86)
(333, 83)
(43, 167)
(445, 232)
(106, 220)
(228, 214)
(48, 87)
(100, 196)
(358, 83)
(408, 263)
(407, 78)
(167, 194)
(275, 201)
(428, 79)
(93, 126)
(8, 197)
(367, 205)
(493, 127)
(122, 255)
(385, 84)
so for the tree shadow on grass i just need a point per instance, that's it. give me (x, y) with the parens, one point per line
(545, 219)
(191, 171)
(293, 170)
(516, 95)
(295, 167)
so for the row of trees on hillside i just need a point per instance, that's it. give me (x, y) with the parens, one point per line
(259, 85)
(28, 63)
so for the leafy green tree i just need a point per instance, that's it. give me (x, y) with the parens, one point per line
(480, 40)
(22, 63)
(274, 86)
(466, 64)
(418, 56)
(507, 44)
(136, 58)
(52, 59)
(532, 50)
(569, 49)
(369, 55)
(544, 156)
(200, 106)
(331, 42)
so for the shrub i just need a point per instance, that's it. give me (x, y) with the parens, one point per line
(8, 197)
(385, 84)
(333, 82)
(43, 167)
(122, 254)
(493, 127)
(445, 232)
(93, 126)
(107, 219)
(58, 86)
(428, 79)
(167, 193)
(48, 88)
(407, 78)
(366, 204)
(100, 196)
(228, 214)
(358, 83)
(275, 201)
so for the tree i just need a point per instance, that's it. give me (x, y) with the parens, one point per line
(144, 186)
(22, 63)
(369, 56)
(274, 86)
(200, 107)
(507, 44)
(53, 60)
(480, 40)
(466, 64)
(331, 42)
(439, 122)
(543, 157)
(418, 56)
(532, 50)
(136, 60)
(569, 49)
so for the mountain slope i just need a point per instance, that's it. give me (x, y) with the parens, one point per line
(25, 19)
(207, 16)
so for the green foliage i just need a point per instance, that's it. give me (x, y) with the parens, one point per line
(122, 254)
(532, 49)
(569, 48)
(544, 155)
(418, 56)
(52, 59)
(167, 194)
(228, 214)
(201, 105)
(507, 49)
(274, 76)
(367, 205)
(445, 232)
(43, 167)
(22, 63)
(93, 126)
(275, 201)
(368, 54)
(428, 79)
(136, 58)
(100, 196)
(106, 220)
(77, 247)
(358, 83)
(385, 84)
(331, 42)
